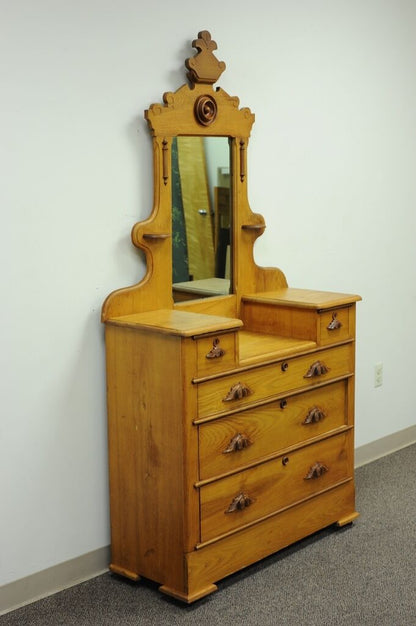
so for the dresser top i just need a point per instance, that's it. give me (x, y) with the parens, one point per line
(303, 298)
(174, 322)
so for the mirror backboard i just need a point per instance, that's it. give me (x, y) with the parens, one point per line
(201, 230)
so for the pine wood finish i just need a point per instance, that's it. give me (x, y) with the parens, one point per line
(230, 418)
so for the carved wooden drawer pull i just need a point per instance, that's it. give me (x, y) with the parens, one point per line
(316, 369)
(335, 323)
(216, 351)
(239, 503)
(237, 391)
(316, 470)
(238, 442)
(314, 415)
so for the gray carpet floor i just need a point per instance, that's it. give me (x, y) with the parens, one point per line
(362, 575)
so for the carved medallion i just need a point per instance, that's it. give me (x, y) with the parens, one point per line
(205, 110)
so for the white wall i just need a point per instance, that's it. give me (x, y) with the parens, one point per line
(331, 168)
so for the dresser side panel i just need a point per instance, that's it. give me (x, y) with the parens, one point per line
(146, 457)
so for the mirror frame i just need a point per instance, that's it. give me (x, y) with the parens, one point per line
(195, 109)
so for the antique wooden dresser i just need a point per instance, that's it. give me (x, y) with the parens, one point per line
(230, 395)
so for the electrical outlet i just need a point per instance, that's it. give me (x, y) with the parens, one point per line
(378, 374)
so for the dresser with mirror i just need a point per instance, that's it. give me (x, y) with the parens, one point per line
(230, 394)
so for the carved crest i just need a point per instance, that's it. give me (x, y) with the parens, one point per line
(204, 67)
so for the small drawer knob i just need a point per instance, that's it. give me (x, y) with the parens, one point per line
(283, 404)
(334, 324)
(285, 460)
(216, 350)
(285, 366)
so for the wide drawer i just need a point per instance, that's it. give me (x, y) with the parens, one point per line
(243, 498)
(228, 443)
(254, 385)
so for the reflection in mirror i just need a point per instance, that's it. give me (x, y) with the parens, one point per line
(201, 217)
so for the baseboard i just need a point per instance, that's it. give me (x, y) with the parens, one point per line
(384, 446)
(75, 571)
(54, 579)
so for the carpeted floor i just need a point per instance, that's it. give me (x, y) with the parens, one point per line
(358, 576)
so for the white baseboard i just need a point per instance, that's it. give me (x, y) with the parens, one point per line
(75, 571)
(386, 445)
(54, 579)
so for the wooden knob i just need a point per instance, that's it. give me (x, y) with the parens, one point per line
(216, 351)
(239, 503)
(318, 368)
(316, 470)
(314, 416)
(237, 391)
(238, 442)
(334, 324)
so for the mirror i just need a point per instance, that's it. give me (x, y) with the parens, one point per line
(201, 217)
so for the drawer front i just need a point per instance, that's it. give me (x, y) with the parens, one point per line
(216, 353)
(335, 326)
(230, 442)
(254, 385)
(232, 502)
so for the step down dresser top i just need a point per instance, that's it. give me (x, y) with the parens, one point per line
(230, 394)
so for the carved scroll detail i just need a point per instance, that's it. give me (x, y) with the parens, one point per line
(239, 503)
(237, 391)
(314, 416)
(318, 368)
(216, 351)
(316, 470)
(335, 323)
(238, 442)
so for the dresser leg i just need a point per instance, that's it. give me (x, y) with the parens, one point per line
(121, 571)
(188, 597)
(348, 519)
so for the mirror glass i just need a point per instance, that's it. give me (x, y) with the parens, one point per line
(201, 217)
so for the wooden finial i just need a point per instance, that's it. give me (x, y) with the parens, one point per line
(204, 67)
